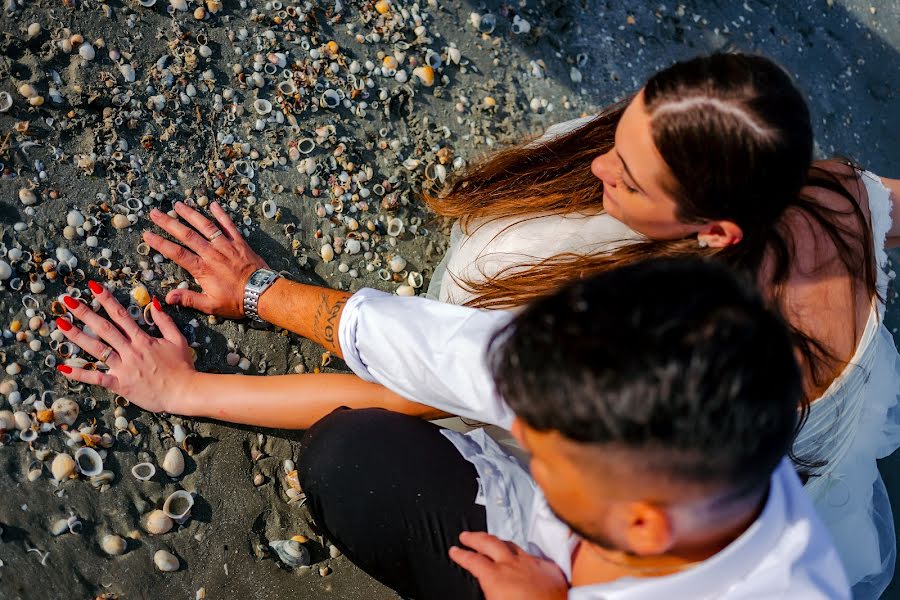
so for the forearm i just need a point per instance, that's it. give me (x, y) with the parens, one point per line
(287, 401)
(310, 311)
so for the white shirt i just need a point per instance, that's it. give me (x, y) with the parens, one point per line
(434, 353)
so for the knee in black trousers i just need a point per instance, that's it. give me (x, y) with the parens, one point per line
(393, 494)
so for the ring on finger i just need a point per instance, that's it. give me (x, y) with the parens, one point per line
(105, 356)
(215, 235)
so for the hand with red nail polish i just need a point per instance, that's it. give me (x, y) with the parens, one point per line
(151, 372)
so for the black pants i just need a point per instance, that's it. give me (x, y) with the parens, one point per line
(393, 494)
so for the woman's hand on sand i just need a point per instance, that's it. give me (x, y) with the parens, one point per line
(221, 263)
(153, 373)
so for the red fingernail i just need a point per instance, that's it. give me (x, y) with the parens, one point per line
(64, 369)
(156, 304)
(96, 288)
(63, 324)
(70, 302)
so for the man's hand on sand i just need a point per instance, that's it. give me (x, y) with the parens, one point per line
(506, 572)
(220, 262)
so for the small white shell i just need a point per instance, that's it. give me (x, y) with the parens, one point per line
(291, 552)
(62, 467)
(166, 561)
(6, 101)
(262, 106)
(179, 4)
(173, 462)
(113, 545)
(7, 420)
(395, 227)
(406, 290)
(397, 263)
(22, 419)
(65, 411)
(327, 253)
(414, 279)
(86, 51)
(147, 3)
(269, 208)
(143, 471)
(178, 506)
(306, 145)
(158, 523)
(127, 72)
(331, 98)
(59, 527)
(27, 197)
(88, 461)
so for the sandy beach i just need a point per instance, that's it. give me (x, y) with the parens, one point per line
(318, 125)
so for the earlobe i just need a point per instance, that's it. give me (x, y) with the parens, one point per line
(650, 530)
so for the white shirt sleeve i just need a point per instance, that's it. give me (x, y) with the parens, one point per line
(426, 351)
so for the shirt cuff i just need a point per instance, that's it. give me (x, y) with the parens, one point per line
(347, 331)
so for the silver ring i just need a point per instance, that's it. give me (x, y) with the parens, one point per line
(215, 235)
(105, 356)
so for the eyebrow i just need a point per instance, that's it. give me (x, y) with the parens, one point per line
(627, 170)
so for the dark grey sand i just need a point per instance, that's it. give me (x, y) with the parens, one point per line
(844, 55)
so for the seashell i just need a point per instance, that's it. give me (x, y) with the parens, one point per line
(334, 552)
(127, 72)
(454, 55)
(141, 295)
(330, 98)
(520, 26)
(62, 467)
(269, 208)
(173, 462)
(59, 527)
(433, 59)
(22, 419)
(436, 172)
(29, 435)
(262, 106)
(166, 561)
(5, 270)
(120, 221)
(113, 545)
(7, 420)
(487, 23)
(286, 87)
(414, 279)
(27, 197)
(146, 3)
(406, 290)
(383, 6)
(179, 5)
(28, 91)
(397, 263)
(34, 470)
(89, 462)
(327, 253)
(306, 145)
(65, 411)
(6, 101)
(86, 51)
(292, 553)
(178, 506)
(395, 227)
(204, 51)
(425, 74)
(143, 471)
(158, 523)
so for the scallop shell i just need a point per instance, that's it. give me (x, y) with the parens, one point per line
(62, 467)
(65, 411)
(178, 506)
(292, 553)
(173, 462)
(113, 545)
(88, 462)
(158, 523)
(166, 561)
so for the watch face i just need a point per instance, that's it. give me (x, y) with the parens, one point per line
(258, 278)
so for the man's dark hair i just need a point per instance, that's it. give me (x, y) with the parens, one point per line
(677, 359)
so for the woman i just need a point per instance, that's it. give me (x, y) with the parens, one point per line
(711, 157)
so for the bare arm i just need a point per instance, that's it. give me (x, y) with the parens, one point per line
(309, 311)
(287, 401)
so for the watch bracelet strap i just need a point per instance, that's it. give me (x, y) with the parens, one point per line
(251, 298)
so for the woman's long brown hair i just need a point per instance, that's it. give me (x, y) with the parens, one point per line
(747, 164)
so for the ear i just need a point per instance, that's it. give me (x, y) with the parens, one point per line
(719, 234)
(649, 529)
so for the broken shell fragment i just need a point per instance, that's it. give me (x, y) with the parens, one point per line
(113, 545)
(89, 462)
(292, 553)
(165, 561)
(158, 523)
(173, 462)
(178, 506)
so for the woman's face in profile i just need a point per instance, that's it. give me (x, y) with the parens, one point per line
(636, 179)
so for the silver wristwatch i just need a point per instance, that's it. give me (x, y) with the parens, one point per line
(259, 282)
